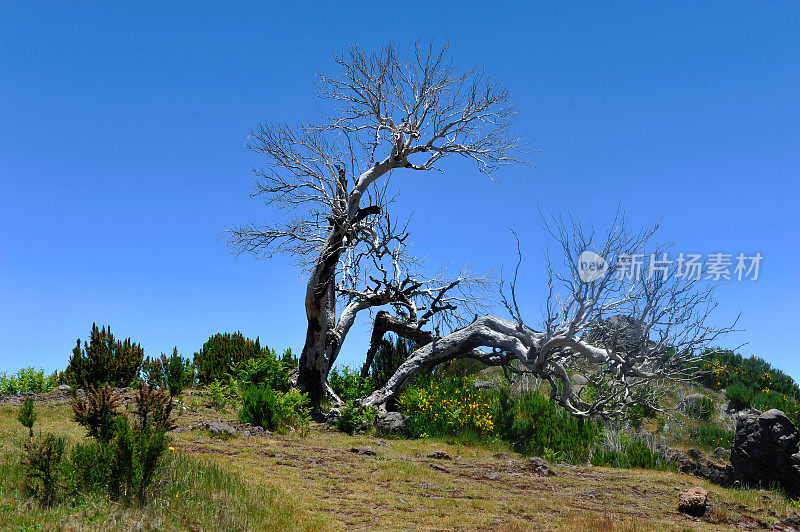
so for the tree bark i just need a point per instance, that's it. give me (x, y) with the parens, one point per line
(322, 341)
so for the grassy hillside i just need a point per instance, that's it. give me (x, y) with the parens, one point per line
(286, 482)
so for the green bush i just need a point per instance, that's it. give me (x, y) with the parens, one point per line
(226, 354)
(43, 463)
(349, 385)
(103, 360)
(27, 416)
(264, 407)
(126, 456)
(173, 373)
(739, 396)
(355, 418)
(447, 406)
(700, 409)
(709, 436)
(27, 380)
(720, 369)
(534, 425)
(769, 399)
(268, 370)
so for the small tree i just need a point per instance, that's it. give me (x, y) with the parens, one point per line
(27, 416)
(104, 360)
(226, 353)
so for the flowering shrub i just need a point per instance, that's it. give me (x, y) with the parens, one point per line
(447, 406)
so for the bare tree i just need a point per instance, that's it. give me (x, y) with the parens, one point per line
(625, 329)
(389, 113)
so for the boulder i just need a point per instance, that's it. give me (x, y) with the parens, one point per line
(484, 385)
(765, 451)
(391, 421)
(64, 388)
(540, 467)
(218, 428)
(440, 455)
(366, 451)
(693, 501)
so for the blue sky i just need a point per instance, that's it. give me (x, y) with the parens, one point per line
(122, 128)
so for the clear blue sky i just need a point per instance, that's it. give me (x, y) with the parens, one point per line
(121, 154)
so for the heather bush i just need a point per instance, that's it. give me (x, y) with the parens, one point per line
(103, 360)
(226, 354)
(355, 418)
(280, 411)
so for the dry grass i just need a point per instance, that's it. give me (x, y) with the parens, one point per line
(316, 482)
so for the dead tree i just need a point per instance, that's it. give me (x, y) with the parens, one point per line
(388, 113)
(656, 333)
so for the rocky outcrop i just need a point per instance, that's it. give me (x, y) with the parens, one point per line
(692, 462)
(765, 451)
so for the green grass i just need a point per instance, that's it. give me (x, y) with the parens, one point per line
(189, 492)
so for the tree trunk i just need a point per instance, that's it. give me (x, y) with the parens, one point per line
(322, 341)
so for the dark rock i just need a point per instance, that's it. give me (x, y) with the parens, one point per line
(694, 454)
(693, 501)
(504, 456)
(440, 455)
(722, 474)
(540, 467)
(366, 451)
(390, 421)
(765, 450)
(721, 453)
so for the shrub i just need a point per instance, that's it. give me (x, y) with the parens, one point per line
(349, 385)
(768, 399)
(388, 357)
(447, 406)
(721, 369)
(218, 395)
(739, 396)
(710, 436)
(264, 407)
(97, 411)
(266, 370)
(354, 418)
(174, 372)
(103, 360)
(27, 380)
(225, 354)
(27, 416)
(43, 468)
(126, 457)
(534, 425)
(630, 452)
(699, 408)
